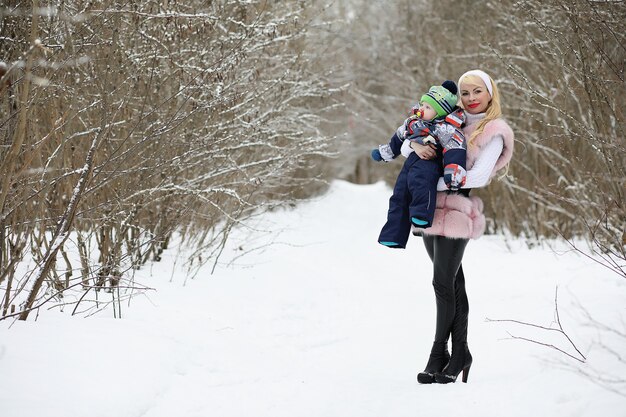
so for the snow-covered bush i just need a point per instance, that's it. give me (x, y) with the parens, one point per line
(172, 116)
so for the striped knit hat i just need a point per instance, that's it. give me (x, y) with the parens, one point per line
(442, 97)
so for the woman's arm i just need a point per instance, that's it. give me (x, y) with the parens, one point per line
(423, 151)
(480, 173)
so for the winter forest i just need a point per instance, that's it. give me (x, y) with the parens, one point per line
(125, 125)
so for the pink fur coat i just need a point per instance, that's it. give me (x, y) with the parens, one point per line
(458, 216)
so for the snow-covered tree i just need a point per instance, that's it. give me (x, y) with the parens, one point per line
(123, 122)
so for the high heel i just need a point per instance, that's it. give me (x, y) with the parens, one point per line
(438, 359)
(460, 361)
(465, 374)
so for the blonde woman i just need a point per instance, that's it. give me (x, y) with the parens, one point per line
(459, 218)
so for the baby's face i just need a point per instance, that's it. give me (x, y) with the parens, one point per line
(428, 113)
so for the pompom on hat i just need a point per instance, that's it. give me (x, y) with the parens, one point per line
(442, 98)
(482, 75)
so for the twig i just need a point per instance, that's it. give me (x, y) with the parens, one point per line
(559, 330)
(547, 345)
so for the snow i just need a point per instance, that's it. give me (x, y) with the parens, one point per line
(324, 322)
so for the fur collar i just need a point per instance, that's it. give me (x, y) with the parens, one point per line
(493, 128)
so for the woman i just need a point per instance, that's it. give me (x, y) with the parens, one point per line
(459, 218)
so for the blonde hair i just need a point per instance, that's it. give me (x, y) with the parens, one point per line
(494, 111)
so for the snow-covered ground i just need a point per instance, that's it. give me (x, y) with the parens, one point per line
(325, 322)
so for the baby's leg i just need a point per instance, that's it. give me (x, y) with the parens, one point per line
(422, 180)
(395, 233)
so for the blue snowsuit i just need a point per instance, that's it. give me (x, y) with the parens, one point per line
(415, 192)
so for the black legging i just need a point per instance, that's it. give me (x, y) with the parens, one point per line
(449, 284)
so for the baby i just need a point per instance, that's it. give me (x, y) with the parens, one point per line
(435, 120)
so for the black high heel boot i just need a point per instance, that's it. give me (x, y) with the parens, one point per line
(460, 361)
(438, 359)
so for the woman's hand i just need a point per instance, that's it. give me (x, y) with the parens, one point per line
(424, 151)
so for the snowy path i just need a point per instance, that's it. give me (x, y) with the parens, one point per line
(330, 324)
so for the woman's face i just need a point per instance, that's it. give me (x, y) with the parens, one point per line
(475, 98)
